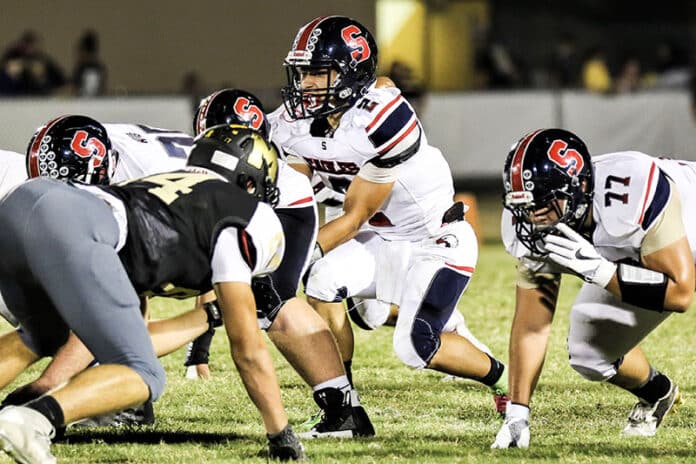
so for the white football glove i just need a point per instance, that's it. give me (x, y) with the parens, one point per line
(579, 255)
(514, 433)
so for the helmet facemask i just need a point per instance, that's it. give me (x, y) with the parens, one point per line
(330, 98)
(570, 203)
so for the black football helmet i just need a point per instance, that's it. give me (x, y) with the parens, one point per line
(71, 148)
(240, 155)
(324, 44)
(231, 106)
(543, 166)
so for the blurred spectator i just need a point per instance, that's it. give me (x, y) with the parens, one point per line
(565, 62)
(27, 70)
(402, 75)
(496, 67)
(89, 75)
(671, 67)
(629, 79)
(595, 72)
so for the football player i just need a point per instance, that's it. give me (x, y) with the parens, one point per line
(620, 222)
(136, 151)
(401, 238)
(295, 328)
(76, 256)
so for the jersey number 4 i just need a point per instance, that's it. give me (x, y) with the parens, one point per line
(171, 185)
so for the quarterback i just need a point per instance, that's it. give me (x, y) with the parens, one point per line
(401, 239)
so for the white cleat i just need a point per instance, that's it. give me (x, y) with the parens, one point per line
(644, 418)
(25, 434)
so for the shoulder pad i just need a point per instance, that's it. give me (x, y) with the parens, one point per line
(390, 124)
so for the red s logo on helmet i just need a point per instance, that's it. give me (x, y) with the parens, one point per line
(361, 49)
(248, 111)
(566, 158)
(85, 148)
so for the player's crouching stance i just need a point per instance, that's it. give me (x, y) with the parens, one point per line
(620, 222)
(298, 332)
(75, 258)
(401, 240)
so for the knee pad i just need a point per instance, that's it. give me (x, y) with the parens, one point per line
(368, 314)
(406, 352)
(321, 284)
(435, 310)
(593, 369)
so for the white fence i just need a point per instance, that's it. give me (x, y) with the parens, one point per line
(473, 130)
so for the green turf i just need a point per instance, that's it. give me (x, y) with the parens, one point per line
(419, 417)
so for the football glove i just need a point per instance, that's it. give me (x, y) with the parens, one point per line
(514, 433)
(285, 445)
(575, 253)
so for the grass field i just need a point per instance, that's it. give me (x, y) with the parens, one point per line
(419, 417)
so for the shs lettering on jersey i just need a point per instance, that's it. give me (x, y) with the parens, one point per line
(175, 259)
(380, 136)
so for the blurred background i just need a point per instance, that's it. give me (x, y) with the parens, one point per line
(480, 73)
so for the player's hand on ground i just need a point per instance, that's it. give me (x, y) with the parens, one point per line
(574, 252)
(514, 433)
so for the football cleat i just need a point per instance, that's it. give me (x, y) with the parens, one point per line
(644, 418)
(285, 446)
(131, 417)
(25, 434)
(339, 418)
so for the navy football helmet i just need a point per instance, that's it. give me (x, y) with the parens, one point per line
(231, 106)
(325, 44)
(543, 166)
(71, 148)
(242, 156)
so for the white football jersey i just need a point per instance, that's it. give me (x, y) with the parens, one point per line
(12, 171)
(380, 129)
(144, 150)
(631, 191)
(265, 232)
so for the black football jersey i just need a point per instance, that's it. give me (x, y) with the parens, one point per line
(174, 220)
